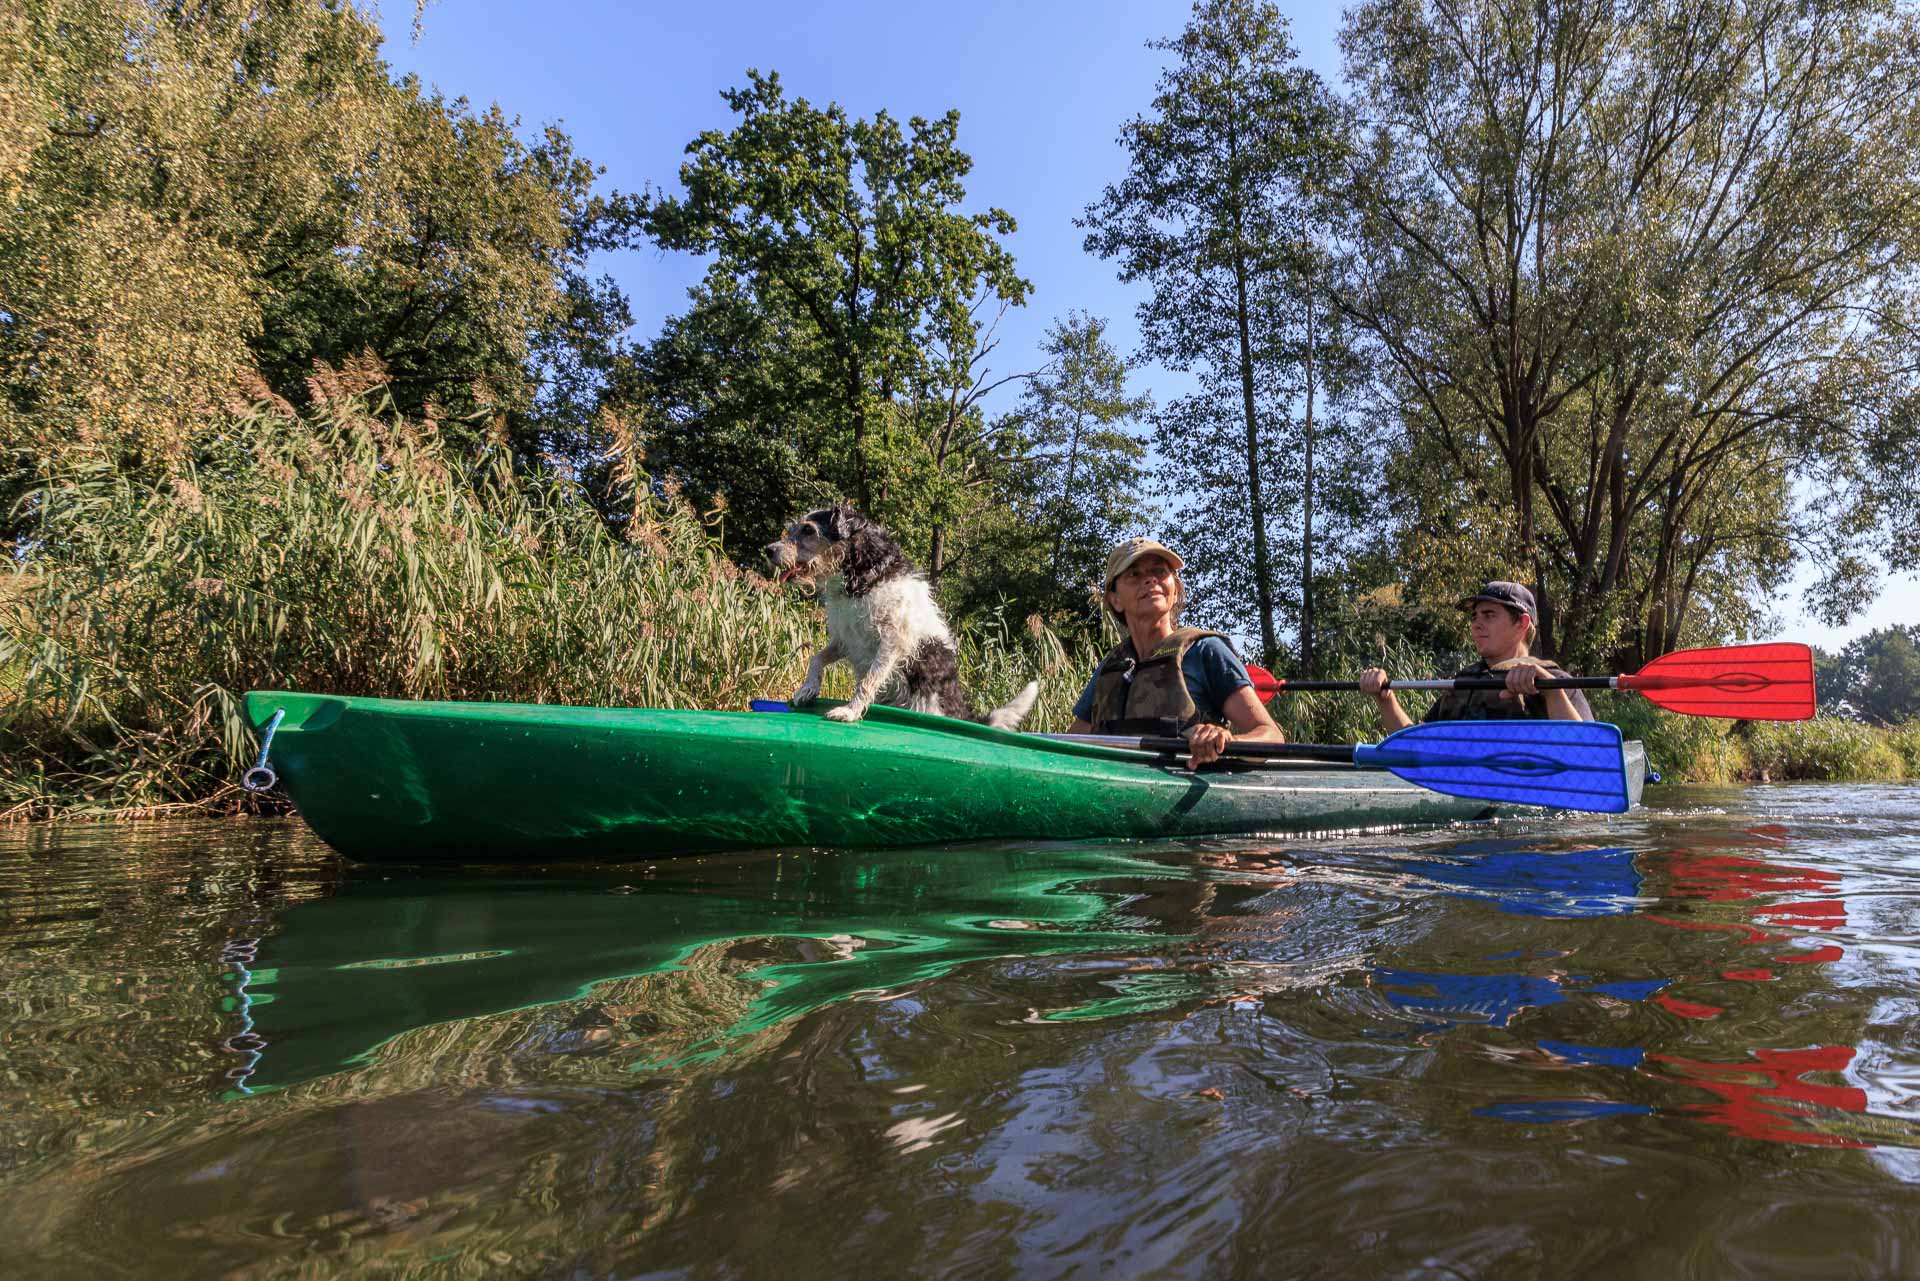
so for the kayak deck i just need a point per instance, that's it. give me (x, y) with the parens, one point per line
(431, 782)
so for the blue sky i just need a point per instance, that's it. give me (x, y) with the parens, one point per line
(1042, 88)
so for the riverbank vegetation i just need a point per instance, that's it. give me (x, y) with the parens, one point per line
(307, 377)
(345, 550)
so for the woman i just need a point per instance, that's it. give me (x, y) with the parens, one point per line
(1163, 678)
(1502, 627)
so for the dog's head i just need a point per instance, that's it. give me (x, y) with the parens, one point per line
(815, 543)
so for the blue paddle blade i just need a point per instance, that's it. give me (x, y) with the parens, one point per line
(1570, 765)
(767, 705)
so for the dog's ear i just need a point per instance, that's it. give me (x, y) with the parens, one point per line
(846, 521)
(871, 559)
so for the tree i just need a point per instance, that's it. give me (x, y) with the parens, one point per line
(207, 200)
(1073, 484)
(1876, 677)
(849, 232)
(729, 403)
(167, 153)
(1074, 419)
(1634, 273)
(475, 282)
(1210, 214)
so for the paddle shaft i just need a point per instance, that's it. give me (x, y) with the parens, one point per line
(1252, 749)
(1770, 681)
(1463, 682)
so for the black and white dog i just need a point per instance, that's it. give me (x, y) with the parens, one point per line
(880, 618)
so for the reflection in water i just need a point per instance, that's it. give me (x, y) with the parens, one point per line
(1766, 1095)
(1665, 1045)
(1526, 881)
(754, 942)
(1491, 1000)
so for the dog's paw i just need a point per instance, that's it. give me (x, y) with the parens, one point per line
(843, 713)
(804, 695)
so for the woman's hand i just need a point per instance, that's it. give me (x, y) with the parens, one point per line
(1205, 743)
(1373, 682)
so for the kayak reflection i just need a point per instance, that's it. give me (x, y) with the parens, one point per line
(656, 965)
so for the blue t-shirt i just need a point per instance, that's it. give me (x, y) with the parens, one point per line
(1212, 671)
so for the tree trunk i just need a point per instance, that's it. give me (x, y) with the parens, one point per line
(1256, 501)
(863, 495)
(1307, 663)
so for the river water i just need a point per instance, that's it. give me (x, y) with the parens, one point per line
(1683, 1043)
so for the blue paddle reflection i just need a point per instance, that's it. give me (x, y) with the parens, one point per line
(1535, 882)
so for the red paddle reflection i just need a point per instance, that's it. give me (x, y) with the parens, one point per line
(1768, 1096)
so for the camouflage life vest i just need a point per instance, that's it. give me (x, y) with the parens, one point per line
(1132, 695)
(1490, 704)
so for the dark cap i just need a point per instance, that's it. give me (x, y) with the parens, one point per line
(1512, 595)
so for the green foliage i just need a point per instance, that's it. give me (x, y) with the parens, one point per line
(354, 553)
(1345, 717)
(1071, 487)
(1215, 213)
(1905, 741)
(1684, 749)
(1699, 749)
(464, 286)
(1637, 276)
(845, 237)
(169, 156)
(1826, 747)
(728, 402)
(201, 197)
(1877, 676)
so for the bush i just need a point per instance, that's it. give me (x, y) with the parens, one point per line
(1824, 748)
(1684, 749)
(1349, 717)
(1905, 741)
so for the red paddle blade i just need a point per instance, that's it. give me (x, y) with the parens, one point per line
(1265, 683)
(1746, 682)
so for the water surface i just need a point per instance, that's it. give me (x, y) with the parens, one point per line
(1679, 1044)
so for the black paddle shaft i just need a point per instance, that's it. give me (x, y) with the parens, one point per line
(1333, 752)
(1459, 682)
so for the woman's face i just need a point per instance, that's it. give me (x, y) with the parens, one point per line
(1146, 589)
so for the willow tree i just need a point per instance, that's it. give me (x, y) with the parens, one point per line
(1642, 277)
(852, 230)
(1210, 215)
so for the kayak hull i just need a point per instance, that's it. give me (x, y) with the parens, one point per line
(425, 782)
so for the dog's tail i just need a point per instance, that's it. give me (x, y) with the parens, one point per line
(1010, 716)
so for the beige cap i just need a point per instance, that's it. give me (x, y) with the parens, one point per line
(1133, 549)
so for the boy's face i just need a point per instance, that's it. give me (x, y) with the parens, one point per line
(1497, 634)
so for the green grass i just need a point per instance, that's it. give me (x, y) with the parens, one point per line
(1698, 749)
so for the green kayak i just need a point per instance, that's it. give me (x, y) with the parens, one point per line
(421, 782)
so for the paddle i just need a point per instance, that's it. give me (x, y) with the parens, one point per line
(1743, 682)
(1574, 765)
